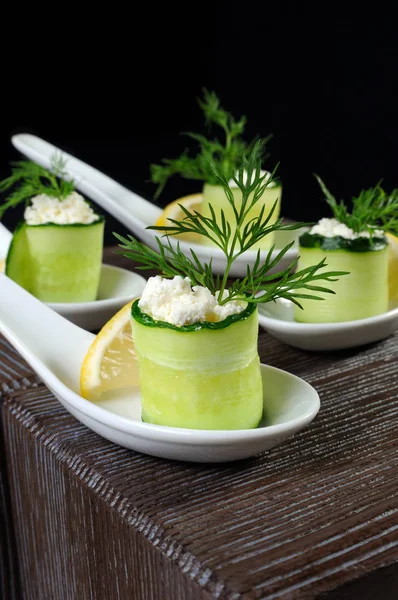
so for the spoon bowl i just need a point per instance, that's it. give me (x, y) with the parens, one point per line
(55, 348)
(277, 318)
(136, 213)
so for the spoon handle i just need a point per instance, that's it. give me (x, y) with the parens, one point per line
(110, 195)
(40, 334)
(5, 240)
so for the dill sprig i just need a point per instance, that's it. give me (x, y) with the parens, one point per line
(258, 285)
(29, 179)
(372, 209)
(226, 155)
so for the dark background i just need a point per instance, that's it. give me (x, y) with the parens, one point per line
(117, 86)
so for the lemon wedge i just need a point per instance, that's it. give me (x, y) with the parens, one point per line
(174, 211)
(110, 362)
(2, 266)
(392, 267)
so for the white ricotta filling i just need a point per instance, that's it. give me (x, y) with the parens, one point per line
(333, 228)
(73, 209)
(175, 301)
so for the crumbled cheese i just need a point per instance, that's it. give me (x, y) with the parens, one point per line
(73, 209)
(232, 183)
(175, 301)
(333, 228)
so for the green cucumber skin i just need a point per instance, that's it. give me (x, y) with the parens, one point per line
(360, 244)
(360, 294)
(204, 379)
(147, 320)
(17, 261)
(57, 263)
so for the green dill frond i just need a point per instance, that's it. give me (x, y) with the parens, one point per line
(233, 240)
(29, 179)
(372, 209)
(225, 154)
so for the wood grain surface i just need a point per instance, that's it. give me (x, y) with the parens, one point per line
(15, 374)
(313, 518)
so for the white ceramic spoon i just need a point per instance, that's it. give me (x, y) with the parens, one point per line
(278, 319)
(55, 349)
(135, 212)
(5, 241)
(117, 286)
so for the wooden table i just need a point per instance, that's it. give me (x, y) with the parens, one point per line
(84, 519)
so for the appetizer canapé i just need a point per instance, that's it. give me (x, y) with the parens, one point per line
(354, 242)
(199, 365)
(196, 336)
(226, 155)
(56, 251)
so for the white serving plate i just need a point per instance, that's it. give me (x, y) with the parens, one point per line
(290, 403)
(136, 213)
(278, 319)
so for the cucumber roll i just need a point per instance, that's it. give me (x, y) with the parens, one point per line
(227, 153)
(56, 251)
(214, 196)
(57, 263)
(355, 242)
(362, 293)
(205, 375)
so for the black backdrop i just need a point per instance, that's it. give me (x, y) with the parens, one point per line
(116, 87)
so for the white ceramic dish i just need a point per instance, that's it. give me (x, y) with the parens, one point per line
(135, 212)
(55, 349)
(278, 319)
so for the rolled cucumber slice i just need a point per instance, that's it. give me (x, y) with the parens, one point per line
(361, 294)
(203, 376)
(215, 195)
(57, 263)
